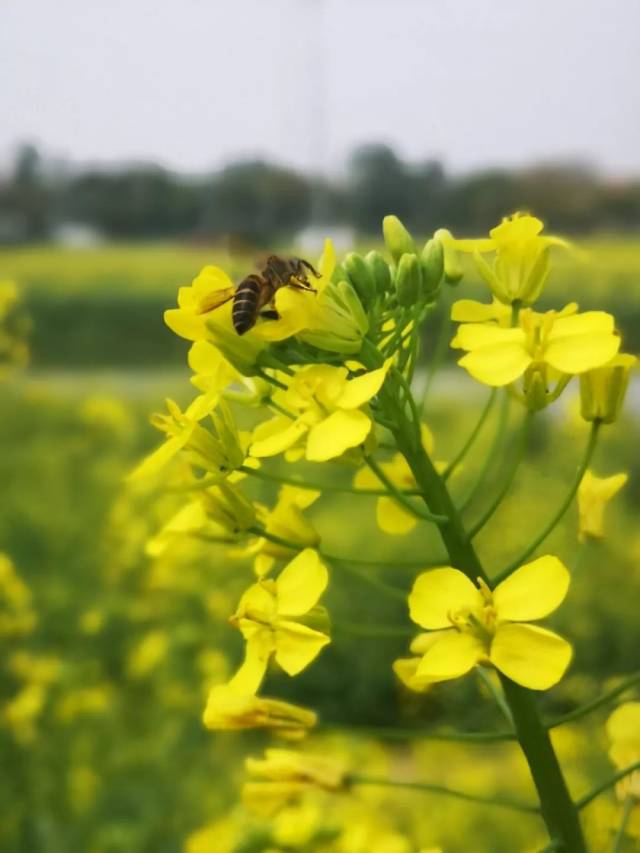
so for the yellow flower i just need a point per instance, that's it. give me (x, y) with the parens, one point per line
(521, 264)
(17, 616)
(147, 654)
(567, 345)
(286, 521)
(407, 668)
(234, 705)
(269, 614)
(219, 452)
(594, 493)
(473, 624)
(471, 311)
(602, 390)
(392, 518)
(328, 418)
(623, 729)
(285, 775)
(220, 513)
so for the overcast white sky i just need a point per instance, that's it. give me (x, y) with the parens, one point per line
(196, 83)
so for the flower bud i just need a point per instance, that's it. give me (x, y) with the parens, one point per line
(379, 271)
(452, 268)
(397, 239)
(360, 277)
(432, 261)
(351, 301)
(408, 280)
(602, 390)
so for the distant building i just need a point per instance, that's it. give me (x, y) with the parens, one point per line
(77, 235)
(311, 239)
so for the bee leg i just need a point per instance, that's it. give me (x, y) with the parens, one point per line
(298, 284)
(310, 267)
(270, 314)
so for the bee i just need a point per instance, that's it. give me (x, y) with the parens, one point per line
(257, 291)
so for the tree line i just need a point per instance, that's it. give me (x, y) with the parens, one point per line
(258, 203)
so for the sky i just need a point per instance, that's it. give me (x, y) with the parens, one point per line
(196, 84)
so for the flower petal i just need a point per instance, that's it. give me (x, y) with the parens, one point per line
(297, 645)
(393, 519)
(452, 656)
(472, 336)
(529, 655)
(470, 311)
(361, 389)
(437, 593)
(301, 583)
(578, 353)
(532, 591)
(497, 365)
(337, 433)
(275, 436)
(156, 460)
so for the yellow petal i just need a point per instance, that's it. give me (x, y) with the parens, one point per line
(361, 389)
(624, 723)
(529, 655)
(497, 365)
(532, 591)
(301, 583)
(471, 336)
(297, 645)
(393, 519)
(186, 324)
(337, 433)
(275, 436)
(470, 311)
(577, 353)
(452, 656)
(365, 479)
(327, 262)
(249, 676)
(438, 593)
(161, 456)
(405, 669)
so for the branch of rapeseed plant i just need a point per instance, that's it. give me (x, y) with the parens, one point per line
(400, 498)
(315, 486)
(558, 810)
(397, 734)
(596, 703)
(609, 782)
(431, 788)
(372, 580)
(489, 459)
(508, 480)
(627, 809)
(475, 432)
(564, 506)
(371, 630)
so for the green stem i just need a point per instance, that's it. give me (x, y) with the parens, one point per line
(609, 782)
(489, 458)
(432, 788)
(508, 481)
(564, 506)
(557, 808)
(394, 492)
(371, 630)
(627, 809)
(425, 734)
(475, 432)
(313, 485)
(607, 697)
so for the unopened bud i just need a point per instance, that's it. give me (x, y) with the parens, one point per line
(380, 272)
(432, 261)
(408, 280)
(452, 268)
(602, 390)
(397, 239)
(360, 277)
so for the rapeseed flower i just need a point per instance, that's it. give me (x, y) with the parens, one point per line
(475, 625)
(623, 729)
(274, 615)
(283, 775)
(521, 265)
(569, 345)
(327, 416)
(594, 493)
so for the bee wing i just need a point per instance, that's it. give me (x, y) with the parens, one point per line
(216, 299)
